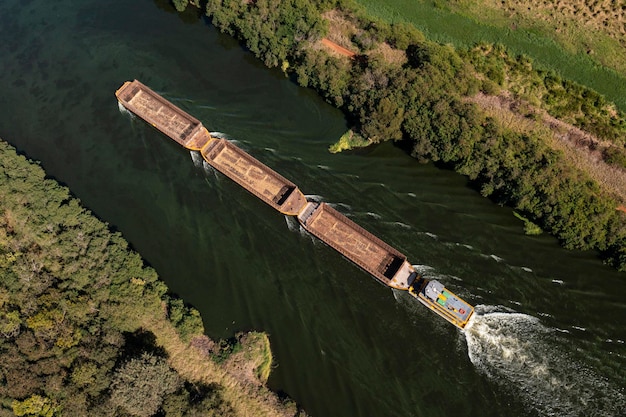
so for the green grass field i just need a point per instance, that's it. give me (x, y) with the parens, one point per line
(442, 25)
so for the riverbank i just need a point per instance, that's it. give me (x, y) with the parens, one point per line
(400, 86)
(87, 328)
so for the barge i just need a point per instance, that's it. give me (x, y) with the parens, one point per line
(271, 187)
(383, 262)
(389, 266)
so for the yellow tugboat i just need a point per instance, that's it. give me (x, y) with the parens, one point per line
(442, 301)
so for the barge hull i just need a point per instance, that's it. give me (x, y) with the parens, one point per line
(385, 263)
(179, 125)
(256, 177)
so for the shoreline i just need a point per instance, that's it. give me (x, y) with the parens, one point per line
(400, 86)
(123, 324)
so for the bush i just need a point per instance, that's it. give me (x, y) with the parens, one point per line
(615, 156)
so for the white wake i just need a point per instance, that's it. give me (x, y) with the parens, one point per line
(196, 158)
(521, 355)
(124, 110)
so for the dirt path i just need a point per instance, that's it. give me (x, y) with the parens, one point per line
(338, 48)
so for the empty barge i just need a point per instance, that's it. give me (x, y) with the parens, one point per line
(386, 264)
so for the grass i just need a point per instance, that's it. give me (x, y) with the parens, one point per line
(246, 399)
(530, 228)
(262, 355)
(562, 137)
(446, 26)
(580, 26)
(348, 141)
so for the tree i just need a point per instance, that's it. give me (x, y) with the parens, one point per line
(180, 5)
(418, 55)
(35, 405)
(141, 384)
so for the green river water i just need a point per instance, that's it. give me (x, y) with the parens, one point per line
(549, 336)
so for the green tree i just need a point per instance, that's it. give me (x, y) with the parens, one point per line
(36, 405)
(141, 384)
(180, 5)
(10, 323)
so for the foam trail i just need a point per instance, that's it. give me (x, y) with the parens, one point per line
(196, 158)
(402, 225)
(521, 355)
(422, 269)
(342, 205)
(496, 258)
(208, 169)
(219, 135)
(314, 197)
(430, 273)
(124, 110)
(292, 224)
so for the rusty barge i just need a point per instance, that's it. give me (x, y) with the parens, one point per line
(383, 262)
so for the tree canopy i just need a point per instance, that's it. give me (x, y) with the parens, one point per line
(79, 312)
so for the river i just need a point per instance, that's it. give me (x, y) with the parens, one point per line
(549, 336)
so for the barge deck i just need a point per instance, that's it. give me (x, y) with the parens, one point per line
(254, 176)
(169, 119)
(385, 263)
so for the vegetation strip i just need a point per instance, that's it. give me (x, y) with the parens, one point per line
(87, 329)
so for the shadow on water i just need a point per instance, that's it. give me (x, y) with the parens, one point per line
(190, 16)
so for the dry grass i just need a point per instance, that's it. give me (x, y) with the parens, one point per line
(341, 31)
(597, 27)
(249, 397)
(253, 363)
(389, 54)
(578, 147)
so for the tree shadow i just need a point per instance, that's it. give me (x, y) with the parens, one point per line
(139, 342)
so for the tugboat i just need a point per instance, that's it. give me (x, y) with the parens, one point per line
(442, 301)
